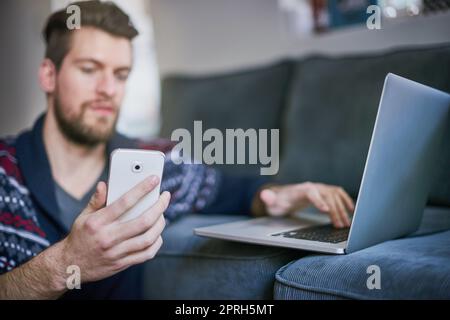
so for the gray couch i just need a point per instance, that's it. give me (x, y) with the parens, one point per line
(325, 108)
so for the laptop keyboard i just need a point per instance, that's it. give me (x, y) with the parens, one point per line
(323, 233)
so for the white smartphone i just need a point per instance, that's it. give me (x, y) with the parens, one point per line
(127, 168)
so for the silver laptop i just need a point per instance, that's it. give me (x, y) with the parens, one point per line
(406, 143)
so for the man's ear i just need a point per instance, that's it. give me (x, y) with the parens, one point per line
(47, 76)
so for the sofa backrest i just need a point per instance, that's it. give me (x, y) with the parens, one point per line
(331, 112)
(246, 99)
(325, 108)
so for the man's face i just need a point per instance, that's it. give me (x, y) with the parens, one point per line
(90, 85)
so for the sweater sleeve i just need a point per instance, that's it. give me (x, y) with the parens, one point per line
(235, 194)
(198, 188)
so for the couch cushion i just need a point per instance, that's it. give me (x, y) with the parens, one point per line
(332, 108)
(245, 99)
(416, 267)
(193, 267)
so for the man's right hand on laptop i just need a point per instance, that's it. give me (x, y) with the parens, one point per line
(280, 200)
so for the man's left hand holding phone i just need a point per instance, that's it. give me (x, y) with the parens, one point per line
(101, 241)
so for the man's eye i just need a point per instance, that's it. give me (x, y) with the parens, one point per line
(122, 77)
(87, 70)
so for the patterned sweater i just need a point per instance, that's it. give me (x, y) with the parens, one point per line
(29, 212)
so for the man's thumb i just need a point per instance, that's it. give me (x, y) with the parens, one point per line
(98, 199)
(268, 197)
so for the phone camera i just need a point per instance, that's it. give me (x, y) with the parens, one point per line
(137, 167)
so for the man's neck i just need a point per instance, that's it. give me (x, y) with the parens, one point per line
(74, 167)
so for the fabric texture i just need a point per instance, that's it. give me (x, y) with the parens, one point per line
(248, 99)
(69, 206)
(415, 267)
(194, 267)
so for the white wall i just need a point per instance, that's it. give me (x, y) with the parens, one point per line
(21, 52)
(201, 36)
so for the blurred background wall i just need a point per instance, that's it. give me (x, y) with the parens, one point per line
(202, 36)
(188, 36)
(21, 52)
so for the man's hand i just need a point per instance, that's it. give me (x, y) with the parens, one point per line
(282, 200)
(99, 244)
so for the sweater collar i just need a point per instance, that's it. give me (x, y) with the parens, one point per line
(35, 167)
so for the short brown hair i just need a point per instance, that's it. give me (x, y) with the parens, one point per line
(105, 16)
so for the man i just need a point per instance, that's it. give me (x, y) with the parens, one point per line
(52, 190)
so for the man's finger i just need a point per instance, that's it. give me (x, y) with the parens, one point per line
(143, 255)
(317, 200)
(129, 229)
(341, 210)
(268, 197)
(98, 199)
(141, 241)
(333, 213)
(347, 200)
(129, 199)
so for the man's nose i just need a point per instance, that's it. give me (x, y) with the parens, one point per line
(107, 85)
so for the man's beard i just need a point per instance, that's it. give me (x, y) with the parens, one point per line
(74, 128)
